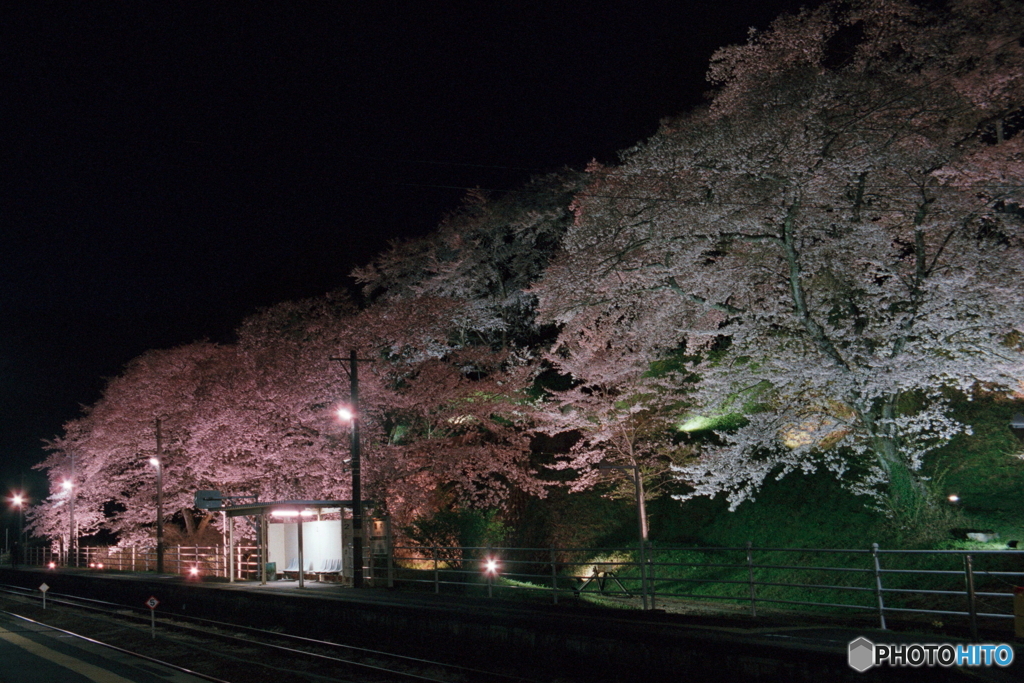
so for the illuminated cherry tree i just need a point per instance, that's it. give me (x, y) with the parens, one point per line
(456, 424)
(111, 445)
(440, 420)
(838, 235)
(484, 257)
(826, 253)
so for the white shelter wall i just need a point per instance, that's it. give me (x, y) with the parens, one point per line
(321, 540)
(277, 545)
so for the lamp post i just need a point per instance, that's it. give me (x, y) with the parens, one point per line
(18, 500)
(158, 463)
(69, 486)
(641, 516)
(351, 415)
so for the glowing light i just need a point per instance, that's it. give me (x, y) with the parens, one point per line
(292, 513)
(696, 423)
(953, 498)
(491, 566)
(17, 499)
(154, 462)
(53, 565)
(345, 414)
(92, 565)
(99, 565)
(194, 571)
(67, 485)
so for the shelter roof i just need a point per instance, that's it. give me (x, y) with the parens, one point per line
(264, 507)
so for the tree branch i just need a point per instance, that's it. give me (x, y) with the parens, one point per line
(725, 308)
(796, 289)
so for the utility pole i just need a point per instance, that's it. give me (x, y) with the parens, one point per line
(159, 501)
(21, 515)
(357, 494)
(72, 536)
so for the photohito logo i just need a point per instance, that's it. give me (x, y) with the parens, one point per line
(863, 654)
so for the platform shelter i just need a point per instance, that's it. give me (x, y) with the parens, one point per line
(295, 537)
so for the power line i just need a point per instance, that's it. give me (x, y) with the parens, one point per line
(873, 186)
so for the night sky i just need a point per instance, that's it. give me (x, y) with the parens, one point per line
(166, 168)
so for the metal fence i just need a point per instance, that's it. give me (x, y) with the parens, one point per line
(185, 560)
(972, 585)
(936, 584)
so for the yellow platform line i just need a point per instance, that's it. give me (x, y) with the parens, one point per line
(90, 671)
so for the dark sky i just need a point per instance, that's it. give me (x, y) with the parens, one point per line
(168, 167)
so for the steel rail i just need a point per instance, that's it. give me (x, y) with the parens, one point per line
(116, 648)
(165, 622)
(117, 610)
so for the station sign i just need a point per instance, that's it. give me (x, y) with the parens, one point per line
(209, 500)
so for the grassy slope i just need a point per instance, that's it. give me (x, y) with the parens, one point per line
(814, 512)
(982, 468)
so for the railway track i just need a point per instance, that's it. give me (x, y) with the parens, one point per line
(226, 653)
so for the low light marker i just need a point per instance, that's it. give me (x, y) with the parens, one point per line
(151, 604)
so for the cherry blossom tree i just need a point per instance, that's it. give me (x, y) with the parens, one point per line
(111, 445)
(251, 418)
(440, 420)
(459, 368)
(617, 434)
(832, 248)
(484, 256)
(836, 235)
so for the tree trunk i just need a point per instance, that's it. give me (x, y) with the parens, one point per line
(907, 494)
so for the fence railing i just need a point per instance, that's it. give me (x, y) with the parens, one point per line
(185, 560)
(971, 585)
(938, 584)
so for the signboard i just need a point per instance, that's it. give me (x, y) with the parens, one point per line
(209, 500)
(151, 604)
(1017, 426)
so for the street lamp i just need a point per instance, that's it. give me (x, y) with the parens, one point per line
(641, 516)
(155, 462)
(158, 463)
(69, 486)
(18, 500)
(349, 415)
